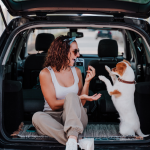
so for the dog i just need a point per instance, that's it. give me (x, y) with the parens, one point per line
(122, 94)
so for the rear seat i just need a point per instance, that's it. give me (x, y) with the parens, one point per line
(33, 99)
(105, 104)
(34, 63)
(108, 54)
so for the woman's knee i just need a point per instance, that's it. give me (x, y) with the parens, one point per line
(36, 117)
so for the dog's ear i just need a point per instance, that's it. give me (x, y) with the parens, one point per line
(120, 68)
(127, 62)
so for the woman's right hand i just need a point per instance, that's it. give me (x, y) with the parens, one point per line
(90, 98)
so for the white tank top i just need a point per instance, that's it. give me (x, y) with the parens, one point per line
(62, 91)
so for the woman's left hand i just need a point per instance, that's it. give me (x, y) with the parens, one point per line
(90, 74)
(90, 98)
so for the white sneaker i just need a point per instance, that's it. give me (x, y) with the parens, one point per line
(71, 144)
(87, 143)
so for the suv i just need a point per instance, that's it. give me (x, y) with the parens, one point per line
(21, 62)
(104, 33)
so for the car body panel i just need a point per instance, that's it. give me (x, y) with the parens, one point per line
(37, 146)
(75, 20)
(43, 7)
(22, 9)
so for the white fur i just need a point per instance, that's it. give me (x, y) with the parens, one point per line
(129, 120)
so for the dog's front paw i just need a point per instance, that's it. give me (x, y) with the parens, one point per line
(101, 78)
(107, 68)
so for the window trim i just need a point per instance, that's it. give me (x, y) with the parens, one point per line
(72, 25)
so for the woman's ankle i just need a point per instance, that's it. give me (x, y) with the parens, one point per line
(73, 137)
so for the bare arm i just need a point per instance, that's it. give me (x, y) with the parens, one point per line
(48, 90)
(90, 74)
(82, 89)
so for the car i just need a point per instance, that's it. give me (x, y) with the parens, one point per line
(104, 33)
(23, 47)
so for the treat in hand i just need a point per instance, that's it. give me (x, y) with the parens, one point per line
(90, 74)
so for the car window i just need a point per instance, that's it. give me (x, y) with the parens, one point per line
(88, 44)
(33, 35)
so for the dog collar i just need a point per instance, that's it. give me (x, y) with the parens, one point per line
(128, 82)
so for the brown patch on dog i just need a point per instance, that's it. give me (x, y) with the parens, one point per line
(114, 69)
(120, 68)
(127, 62)
(116, 93)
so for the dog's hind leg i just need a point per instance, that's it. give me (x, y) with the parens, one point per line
(126, 130)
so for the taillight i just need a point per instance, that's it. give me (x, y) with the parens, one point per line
(99, 31)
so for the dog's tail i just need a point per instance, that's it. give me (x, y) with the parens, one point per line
(139, 132)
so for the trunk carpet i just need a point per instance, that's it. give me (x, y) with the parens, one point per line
(92, 130)
(99, 131)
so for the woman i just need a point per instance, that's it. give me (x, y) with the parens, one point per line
(64, 117)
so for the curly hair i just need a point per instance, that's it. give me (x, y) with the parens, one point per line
(57, 55)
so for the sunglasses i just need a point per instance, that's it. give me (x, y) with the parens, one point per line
(76, 51)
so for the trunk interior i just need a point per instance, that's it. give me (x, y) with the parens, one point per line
(22, 95)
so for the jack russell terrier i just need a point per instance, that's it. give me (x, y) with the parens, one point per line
(122, 93)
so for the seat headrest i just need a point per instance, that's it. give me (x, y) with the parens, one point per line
(43, 41)
(108, 48)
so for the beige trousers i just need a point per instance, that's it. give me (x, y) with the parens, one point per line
(71, 120)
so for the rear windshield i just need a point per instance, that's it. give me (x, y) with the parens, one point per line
(88, 44)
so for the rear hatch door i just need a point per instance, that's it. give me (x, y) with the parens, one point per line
(131, 8)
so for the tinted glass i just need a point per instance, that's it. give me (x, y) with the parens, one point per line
(87, 44)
